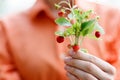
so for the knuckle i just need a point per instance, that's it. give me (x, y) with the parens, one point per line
(73, 62)
(92, 58)
(78, 55)
(72, 70)
(87, 77)
(75, 72)
(89, 66)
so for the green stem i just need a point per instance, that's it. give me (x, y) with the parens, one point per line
(81, 41)
(76, 40)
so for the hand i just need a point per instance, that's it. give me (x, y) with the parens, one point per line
(84, 66)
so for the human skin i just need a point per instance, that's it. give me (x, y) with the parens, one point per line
(85, 66)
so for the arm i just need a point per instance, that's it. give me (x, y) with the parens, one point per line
(7, 69)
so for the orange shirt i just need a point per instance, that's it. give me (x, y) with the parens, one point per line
(28, 50)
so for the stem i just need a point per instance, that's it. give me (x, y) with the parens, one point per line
(65, 2)
(76, 40)
(72, 36)
(69, 4)
(70, 39)
(81, 41)
(73, 3)
(66, 8)
(68, 1)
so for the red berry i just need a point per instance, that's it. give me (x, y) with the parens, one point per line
(60, 39)
(61, 14)
(76, 48)
(97, 34)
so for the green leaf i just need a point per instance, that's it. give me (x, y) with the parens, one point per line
(69, 31)
(85, 32)
(59, 33)
(87, 27)
(63, 22)
(77, 15)
(76, 12)
(87, 24)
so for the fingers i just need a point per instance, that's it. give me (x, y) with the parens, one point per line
(80, 74)
(106, 67)
(71, 77)
(87, 67)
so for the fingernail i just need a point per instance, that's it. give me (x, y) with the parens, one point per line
(67, 59)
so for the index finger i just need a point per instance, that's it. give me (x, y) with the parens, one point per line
(106, 67)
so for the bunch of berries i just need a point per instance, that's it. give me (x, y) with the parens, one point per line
(77, 24)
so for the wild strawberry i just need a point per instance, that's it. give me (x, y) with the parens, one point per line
(61, 14)
(97, 34)
(69, 46)
(76, 48)
(60, 39)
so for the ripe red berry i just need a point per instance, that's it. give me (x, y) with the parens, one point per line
(61, 14)
(76, 48)
(97, 34)
(60, 39)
